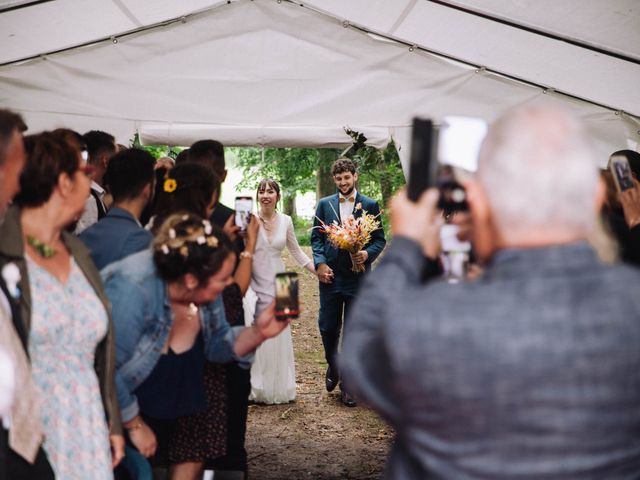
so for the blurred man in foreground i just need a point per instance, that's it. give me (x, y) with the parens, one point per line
(533, 370)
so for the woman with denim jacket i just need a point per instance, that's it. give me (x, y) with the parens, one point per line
(167, 308)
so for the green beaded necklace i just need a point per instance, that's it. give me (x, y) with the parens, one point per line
(45, 251)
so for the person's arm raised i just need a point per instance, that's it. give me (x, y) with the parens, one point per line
(243, 273)
(266, 326)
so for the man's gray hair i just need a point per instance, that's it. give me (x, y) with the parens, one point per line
(539, 172)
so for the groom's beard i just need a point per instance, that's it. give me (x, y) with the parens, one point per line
(348, 192)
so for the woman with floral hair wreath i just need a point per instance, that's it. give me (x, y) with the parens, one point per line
(168, 317)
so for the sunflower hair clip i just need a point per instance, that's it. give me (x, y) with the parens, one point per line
(170, 185)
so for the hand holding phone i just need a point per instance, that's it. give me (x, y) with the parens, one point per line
(243, 207)
(621, 172)
(287, 302)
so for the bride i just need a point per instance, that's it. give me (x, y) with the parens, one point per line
(273, 378)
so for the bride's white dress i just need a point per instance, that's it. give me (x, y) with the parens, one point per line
(273, 375)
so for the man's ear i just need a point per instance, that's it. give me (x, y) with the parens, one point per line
(355, 177)
(190, 281)
(147, 191)
(484, 232)
(223, 177)
(600, 196)
(65, 184)
(478, 201)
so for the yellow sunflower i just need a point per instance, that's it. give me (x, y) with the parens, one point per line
(170, 185)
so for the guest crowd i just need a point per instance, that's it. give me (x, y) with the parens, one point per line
(137, 318)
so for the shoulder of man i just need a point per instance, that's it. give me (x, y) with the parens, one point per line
(221, 214)
(366, 200)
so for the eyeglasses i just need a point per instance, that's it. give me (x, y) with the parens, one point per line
(88, 170)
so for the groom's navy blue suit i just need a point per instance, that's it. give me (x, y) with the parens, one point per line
(336, 297)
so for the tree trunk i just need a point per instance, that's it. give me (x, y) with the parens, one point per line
(289, 204)
(325, 185)
(386, 159)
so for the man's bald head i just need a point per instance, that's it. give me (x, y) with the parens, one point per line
(539, 173)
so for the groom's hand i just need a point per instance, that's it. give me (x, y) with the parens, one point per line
(325, 274)
(360, 257)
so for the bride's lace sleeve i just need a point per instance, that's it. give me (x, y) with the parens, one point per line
(292, 244)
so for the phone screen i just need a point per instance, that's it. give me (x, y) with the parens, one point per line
(287, 303)
(621, 171)
(243, 207)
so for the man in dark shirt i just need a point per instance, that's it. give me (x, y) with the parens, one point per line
(130, 178)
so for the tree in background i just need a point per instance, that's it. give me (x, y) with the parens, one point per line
(380, 172)
(293, 168)
(158, 151)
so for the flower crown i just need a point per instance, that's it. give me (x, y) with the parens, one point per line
(202, 235)
(170, 185)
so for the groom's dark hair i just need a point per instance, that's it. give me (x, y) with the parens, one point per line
(342, 165)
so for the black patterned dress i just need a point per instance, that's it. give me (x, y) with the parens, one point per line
(203, 436)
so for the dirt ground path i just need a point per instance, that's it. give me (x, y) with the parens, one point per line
(315, 437)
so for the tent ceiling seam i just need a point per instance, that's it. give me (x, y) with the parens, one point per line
(128, 13)
(24, 5)
(127, 33)
(536, 31)
(402, 16)
(479, 68)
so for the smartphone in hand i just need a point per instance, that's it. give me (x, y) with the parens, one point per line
(435, 150)
(243, 207)
(287, 302)
(621, 172)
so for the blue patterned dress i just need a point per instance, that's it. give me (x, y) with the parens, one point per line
(67, 322)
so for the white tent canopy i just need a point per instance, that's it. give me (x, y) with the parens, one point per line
(274, 72)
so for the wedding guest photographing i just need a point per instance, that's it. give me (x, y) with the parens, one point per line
(202, 437)
(273, 375)
(64, 311)
(531, 371)
(338, 282)
(169, 317)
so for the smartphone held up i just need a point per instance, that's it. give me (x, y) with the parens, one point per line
(287, 302)
(243, 207)
(436, 149)
(621, 172)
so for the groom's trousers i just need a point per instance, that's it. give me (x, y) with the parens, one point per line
(334, 307)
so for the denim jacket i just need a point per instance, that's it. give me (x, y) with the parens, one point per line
(143, 317)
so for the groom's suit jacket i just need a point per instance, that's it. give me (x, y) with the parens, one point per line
(532, 371)
(328, 210)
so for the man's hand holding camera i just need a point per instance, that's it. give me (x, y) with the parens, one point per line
(420, 221)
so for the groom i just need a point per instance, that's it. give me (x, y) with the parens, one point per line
(338, 284)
